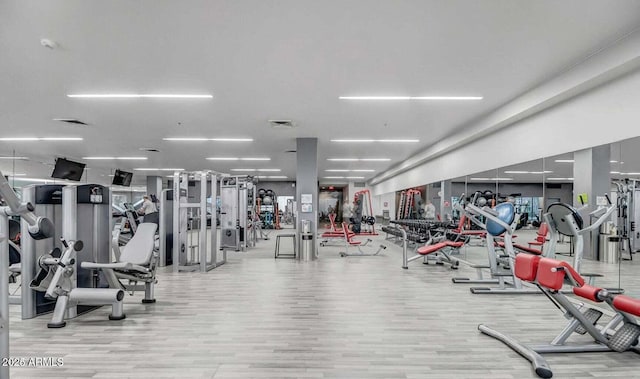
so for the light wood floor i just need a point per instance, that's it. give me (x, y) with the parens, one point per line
(355, 317)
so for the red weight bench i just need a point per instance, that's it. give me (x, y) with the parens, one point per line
(442, 252)
(349, 241)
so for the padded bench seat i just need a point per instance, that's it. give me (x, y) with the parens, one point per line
(425, 250)
(627, 304)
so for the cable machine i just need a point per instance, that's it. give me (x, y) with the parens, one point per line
(192, 249)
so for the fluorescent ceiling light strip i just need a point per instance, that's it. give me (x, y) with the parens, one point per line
(341, 170)
(41, 139)
(16, 158)
(564, 160)
(243, 169)
(377, 140)
(333, 177)
(632, 173)
(269, 169)
(16, 175)
(359, 159)
(159, 169)
(223, 159)
(200, 139)
(255, 159)
(516, 172)
(354, 177)
(555, 179)
(498, 179)
(116, 158)
(138, 96)
(410, 97)
(272, 177)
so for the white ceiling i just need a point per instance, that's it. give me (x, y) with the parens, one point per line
(286, 59)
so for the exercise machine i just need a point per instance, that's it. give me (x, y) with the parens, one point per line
(349, 241)
(38, 228)
(619, 334)
(234, 211)
(192, 249)
(135, 262)
(76, 289)
(498, 222)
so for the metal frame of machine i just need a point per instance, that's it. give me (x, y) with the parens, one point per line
(184, 256)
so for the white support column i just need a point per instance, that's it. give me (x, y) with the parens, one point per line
(591, 173)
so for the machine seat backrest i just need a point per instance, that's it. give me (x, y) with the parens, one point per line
(139, 249)
(554, 280)
(527, 266)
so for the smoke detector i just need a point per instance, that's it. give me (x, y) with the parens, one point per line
(282, 124)
(49, 44)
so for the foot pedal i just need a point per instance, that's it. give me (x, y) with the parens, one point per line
(626, 336)
(593, 315)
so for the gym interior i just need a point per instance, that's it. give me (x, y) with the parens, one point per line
(319, 189)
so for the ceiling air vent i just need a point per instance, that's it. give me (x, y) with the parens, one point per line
(149, 149)
(290, 151)
(282, 124)
(74, 121)
(359, 184)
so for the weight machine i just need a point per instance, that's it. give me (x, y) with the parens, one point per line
(38, 228)
(234, 211)
(192, 249)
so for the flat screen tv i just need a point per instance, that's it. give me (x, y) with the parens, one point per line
(122, 178)
(66, 169)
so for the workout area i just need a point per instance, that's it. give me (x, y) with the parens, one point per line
(320, 189)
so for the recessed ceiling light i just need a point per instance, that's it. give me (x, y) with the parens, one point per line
(377, 140)
(565, 160)
(16, 158)
(410, 97)
(159, 169)
(200, 139)
(359, 159)
(19, 139)
(139, 95)
(116, 158)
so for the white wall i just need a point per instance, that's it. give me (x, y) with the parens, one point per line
(606, 114)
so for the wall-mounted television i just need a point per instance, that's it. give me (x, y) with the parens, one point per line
(66, 169)
(122, 178)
